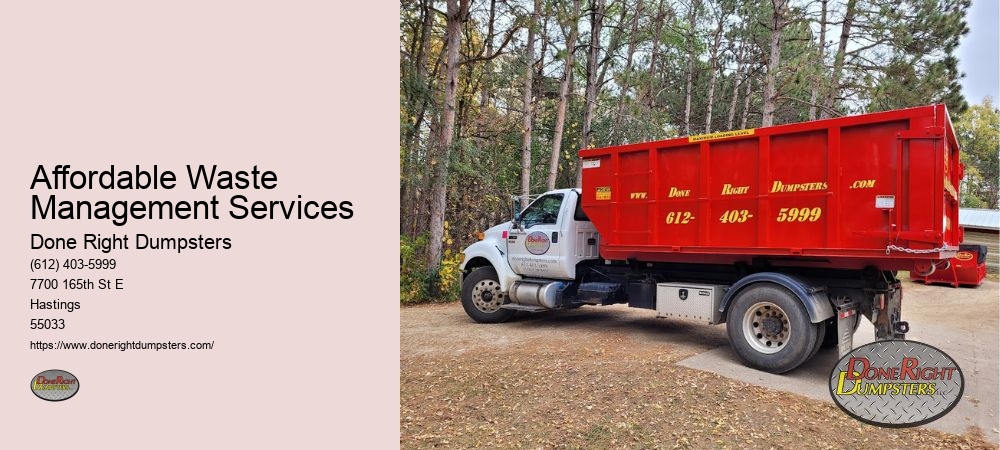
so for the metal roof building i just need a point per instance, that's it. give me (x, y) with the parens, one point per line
(982, 226)
(979, 219)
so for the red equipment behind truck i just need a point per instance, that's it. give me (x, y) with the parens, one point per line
(967, 268)
(784, 233)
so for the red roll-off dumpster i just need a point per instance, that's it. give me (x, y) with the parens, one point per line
(875, 190)
(967, 268)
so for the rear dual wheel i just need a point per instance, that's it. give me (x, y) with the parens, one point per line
(770, 330)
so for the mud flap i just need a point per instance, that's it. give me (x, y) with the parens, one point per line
(887, 311)
(847, 317)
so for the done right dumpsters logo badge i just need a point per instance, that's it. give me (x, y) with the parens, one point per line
(537, 243)
(896, 383)
(55, 385)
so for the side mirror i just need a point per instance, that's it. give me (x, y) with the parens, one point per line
(516, 211)
(517, 221)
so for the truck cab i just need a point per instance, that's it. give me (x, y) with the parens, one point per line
(551, 236)
(534, 256)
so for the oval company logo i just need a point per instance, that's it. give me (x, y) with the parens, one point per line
(537, 243)
(964, 256)
(896, 383)
(55, 385)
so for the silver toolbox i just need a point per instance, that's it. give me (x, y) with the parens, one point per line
(689, 301)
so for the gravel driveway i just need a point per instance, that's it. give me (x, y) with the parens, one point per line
(610, 377)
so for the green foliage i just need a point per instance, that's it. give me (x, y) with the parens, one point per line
(970, 200)
(978, 133)
(416, 283)
(919, 67)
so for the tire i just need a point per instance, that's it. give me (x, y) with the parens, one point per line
(482, 297)
(769, 328)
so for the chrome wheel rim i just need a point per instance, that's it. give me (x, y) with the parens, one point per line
(487, 296)
(766, 327)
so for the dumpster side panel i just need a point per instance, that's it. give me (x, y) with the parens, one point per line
(633, 190)
(678, 195)
(797, 191)
(733, 190)
(836, 192)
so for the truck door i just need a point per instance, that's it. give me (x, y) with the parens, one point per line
(535, 245)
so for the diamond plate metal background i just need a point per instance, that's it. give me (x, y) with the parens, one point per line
(56, 395)
(900, 409)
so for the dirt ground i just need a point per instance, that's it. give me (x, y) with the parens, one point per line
(607, 378)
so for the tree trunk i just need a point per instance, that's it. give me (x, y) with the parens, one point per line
(612, 49)
(543, 46)
(773, 62)
(408, 217)
(746, 102)
(596, 21)
(626, 75)
(838, 61)
(457, 11)
(486, 86)
(651, 83)
(715, 72)
(692, 25)
(557, 136)
(529, 72)
(736, 86)
(814, 95)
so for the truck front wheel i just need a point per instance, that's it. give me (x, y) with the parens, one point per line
(769, 328)
(482, 297)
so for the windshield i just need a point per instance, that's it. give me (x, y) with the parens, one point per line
(545, 210)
